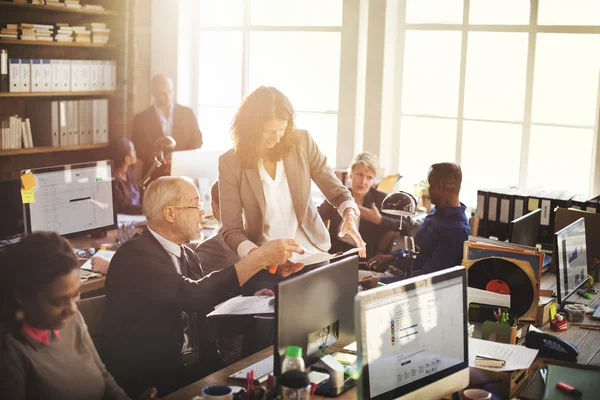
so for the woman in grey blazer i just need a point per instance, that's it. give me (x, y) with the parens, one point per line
(265, 181)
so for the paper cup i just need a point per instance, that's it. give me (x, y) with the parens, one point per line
(476, 394)
(217, 392)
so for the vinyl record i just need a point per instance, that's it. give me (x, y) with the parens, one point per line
(500, 275)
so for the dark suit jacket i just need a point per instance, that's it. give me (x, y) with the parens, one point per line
(147, 130)
(123, 196)
(145, 296)
(370, 232)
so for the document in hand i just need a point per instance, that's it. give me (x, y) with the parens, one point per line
(247, 305)
(106, 254)
(311, 257)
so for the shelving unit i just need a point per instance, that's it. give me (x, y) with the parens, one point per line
(116, 16)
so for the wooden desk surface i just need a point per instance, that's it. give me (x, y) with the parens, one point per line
(588, 343)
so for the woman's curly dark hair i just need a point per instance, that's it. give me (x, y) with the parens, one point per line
(31, 264)
(262, 105)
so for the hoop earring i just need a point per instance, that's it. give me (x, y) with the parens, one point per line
(20, 315)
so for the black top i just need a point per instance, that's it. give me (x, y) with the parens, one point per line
(126, 195)
(145, 297)
(370, 232)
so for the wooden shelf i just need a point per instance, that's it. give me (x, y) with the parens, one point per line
(54, 44)
(36, 150)
(83, 11)
(56, 94)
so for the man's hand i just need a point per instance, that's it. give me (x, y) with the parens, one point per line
(100, 265)
(371, 214)
(276, 252)
(149, 394)
(349, 228)
(264, 292)
(369, 282)
(380, 262)
(289, 268)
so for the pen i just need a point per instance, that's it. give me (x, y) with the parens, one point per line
(570, 390)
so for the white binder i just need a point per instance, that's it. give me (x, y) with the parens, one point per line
(63, 123)
(75, 122)
(54, 124)
(46, 76)
(14, 75)
(94, 81)
(104, 120)
(37, 75)
(84, 75)
(82, 121)
(75, 76)
(55, 82)
(65, 76)
(113, 75)
(25, 75)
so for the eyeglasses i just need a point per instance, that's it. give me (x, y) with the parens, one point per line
(85, 252)
(199, 208)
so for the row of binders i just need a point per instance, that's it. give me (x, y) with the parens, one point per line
(496, 208)
(15, 133)
(42, 75)
(63, 123)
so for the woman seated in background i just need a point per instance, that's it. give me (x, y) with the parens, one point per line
(372, 225)
(126, 193)
(45, 348)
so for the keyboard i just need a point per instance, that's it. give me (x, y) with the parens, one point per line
(262, 369)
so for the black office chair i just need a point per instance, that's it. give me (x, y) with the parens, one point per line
(92, 310)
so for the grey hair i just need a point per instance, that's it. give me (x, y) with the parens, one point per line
(162, 192)
(369, 160)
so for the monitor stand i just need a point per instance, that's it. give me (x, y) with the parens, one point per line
(326, 390)
(338, 383)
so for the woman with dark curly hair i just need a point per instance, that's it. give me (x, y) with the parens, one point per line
(265, 182)
(45, 348)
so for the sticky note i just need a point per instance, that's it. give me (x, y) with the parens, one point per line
(27, 196)
(28, 181)
(552, 309)
(533, 204)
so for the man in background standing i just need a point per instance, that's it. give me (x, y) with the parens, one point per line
(164, 118)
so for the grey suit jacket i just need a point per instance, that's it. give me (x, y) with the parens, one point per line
(243, 201)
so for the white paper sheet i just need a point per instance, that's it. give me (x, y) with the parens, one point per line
(246, 305)
(516, 357)
(106, 254)
(311, 257)
(480, 296)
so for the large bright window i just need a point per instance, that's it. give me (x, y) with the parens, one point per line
(508, 89)
(243, 44)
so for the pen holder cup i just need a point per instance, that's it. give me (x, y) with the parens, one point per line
(500, 333)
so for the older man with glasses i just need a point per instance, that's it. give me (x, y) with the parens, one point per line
(158, 296)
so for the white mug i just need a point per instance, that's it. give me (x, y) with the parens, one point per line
(476, 394)
(217, 392)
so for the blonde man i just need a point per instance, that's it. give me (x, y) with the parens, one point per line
(157, 294)
(372, 224)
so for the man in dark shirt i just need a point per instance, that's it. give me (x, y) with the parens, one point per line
(441, 236)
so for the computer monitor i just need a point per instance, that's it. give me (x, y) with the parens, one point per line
(11, 210)
(315, 311)
(412, 337)
(524, 230)
(202, 166)
(571, 259)
(72, 199)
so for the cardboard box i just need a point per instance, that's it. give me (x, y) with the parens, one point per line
(502, 385)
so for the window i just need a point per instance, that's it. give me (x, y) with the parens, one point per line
(243, 44)
(501, 88)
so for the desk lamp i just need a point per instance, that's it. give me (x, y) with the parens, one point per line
(162, 147)
(403, 204)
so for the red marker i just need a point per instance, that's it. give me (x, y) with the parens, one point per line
(569, 389)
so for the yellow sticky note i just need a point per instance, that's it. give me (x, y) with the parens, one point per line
(552, 309)
(28, 181)
(27, 196)
(533, 204)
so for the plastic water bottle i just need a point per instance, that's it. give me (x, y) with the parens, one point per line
(293, 359)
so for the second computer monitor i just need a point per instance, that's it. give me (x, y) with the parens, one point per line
(571, 258)
(202, 166)
(412, 337)
(524, 230)
(315, 310)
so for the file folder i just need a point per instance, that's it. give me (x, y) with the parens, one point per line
(14, 75)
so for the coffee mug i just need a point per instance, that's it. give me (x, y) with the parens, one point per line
(217, 392)
(476, 394)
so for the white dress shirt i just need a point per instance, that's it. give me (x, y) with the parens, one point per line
(166, 124)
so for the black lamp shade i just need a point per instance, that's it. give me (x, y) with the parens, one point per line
(399, 204)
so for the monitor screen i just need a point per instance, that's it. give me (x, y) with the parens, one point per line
(202, 166)
(72, 199)
(11, 210)
(524, 230)
(412, 333)
(571, 256)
